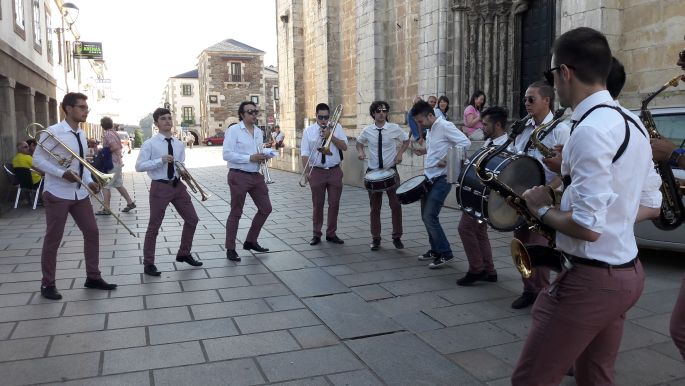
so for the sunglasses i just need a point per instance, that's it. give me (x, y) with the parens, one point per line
(549, 74)
(253, 112)
(323, 117)
(382, 110)
(529, 99)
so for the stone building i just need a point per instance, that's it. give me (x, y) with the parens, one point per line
(231, 72)
(353, 52)
(182, 96)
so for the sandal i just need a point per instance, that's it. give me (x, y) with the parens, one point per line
(103, 212)
(129, 207)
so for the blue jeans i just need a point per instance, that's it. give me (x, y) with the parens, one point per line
(431, 204)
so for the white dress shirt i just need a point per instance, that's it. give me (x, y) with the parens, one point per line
(312, 139)
(54, 183)
(278, 137)
(604, 197)
(558, 136)
(151, 153)
(392, 135)
(239, 145)
(495, 142)
(441, 136)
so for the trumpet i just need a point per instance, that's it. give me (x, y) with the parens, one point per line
(541, 131)
(263, 167)
(101, 179)
(190, 181)
(325, 147)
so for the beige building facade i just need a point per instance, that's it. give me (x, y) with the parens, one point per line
(353, 52)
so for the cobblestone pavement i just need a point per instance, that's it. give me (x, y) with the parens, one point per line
(299, 315)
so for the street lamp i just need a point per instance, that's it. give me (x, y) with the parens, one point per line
(70, 12)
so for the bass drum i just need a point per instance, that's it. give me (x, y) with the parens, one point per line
(519, 172)
(412, 189)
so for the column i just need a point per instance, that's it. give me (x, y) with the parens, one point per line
(8, 132)
(42, 109)
(25, 109)
(459, 57)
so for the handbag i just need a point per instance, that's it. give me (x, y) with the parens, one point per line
(103, 160)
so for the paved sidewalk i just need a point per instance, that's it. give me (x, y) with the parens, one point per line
(299, 315)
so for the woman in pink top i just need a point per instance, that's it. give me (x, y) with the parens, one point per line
(473, 127)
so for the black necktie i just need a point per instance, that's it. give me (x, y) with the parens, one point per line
(80, 153)
(380, 148)
(573, 125)
(170, 165)
(323, 155)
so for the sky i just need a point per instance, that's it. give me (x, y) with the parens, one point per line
(145, 42)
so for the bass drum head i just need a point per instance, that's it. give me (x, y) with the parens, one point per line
(519, 173)
(380, 174)
(410, 184)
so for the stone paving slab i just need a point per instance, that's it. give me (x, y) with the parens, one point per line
(261, 320)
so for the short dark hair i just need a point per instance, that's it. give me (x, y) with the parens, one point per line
(475, 96)
(496, 114)
(422, 107)
(159, 112)
(70, 99)
(444, 98)
(587, 51)
(545, 91)
(106, 123)
(241, 108)
(322, 107)
(617, 78)
(376, 104)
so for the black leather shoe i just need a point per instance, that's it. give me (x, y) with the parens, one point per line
(189, 259)
(375, 244)
(397, 243)
(335, 239)
(471, 278)
(151, 270)
(315, 240)
(248, 245)
(99, 283)
(526, 299)
(50, 292)
(232, 255)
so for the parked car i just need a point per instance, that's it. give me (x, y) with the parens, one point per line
(216, 139)
(126, 143)
(671, 124)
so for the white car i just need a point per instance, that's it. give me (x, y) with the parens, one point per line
(126, 143)
(670, 123)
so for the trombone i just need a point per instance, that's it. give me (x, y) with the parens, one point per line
(101, 179)
(190, 181)
(325, 147)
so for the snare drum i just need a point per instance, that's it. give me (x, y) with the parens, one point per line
(413, 189)
(520, 172)
(380, 180)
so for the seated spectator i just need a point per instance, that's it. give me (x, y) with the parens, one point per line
(23, 159)
(277, 138)
(32, 145)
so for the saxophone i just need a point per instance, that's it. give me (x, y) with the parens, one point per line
(672, 209)
(535, 139)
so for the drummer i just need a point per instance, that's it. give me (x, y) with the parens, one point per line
(382, 138)
(474, 233)
(442, 135)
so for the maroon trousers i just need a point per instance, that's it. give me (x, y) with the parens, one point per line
(474, 237)
(56, 210)
(240, 185)
(579, 324)
(540, 278)
(320, 182)
(678, 321)
(161, 195)
(376, 201)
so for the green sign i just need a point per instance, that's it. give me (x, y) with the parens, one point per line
(87, 50)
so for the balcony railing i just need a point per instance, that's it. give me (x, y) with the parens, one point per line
(236, 78)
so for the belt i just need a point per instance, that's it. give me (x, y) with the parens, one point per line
(597, 263)
(241, 171)
(327, 168)
(168, 182)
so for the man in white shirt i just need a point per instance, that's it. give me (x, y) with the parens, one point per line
(382, 138)
(157, 157)
(65, 194)
(243, 153)
(326, 174)
(440, 137)
(539, 102)
(579, 321)
(277, 138)
(474, 232)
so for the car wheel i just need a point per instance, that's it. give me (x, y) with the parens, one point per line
(209, 143)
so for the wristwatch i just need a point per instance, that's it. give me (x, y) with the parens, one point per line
(543, 211)
(675, 157)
